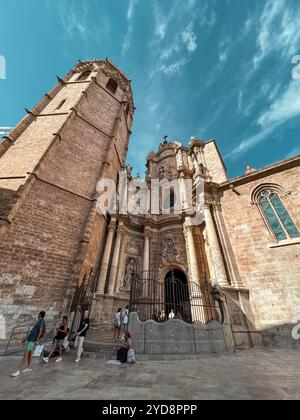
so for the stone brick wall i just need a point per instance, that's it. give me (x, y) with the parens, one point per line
(214, 162)
(271, 274)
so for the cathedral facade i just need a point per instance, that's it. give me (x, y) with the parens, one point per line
(59, 252)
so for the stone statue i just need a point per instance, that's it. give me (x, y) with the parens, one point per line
(129, 170)
(134, 247)
(130, 271)
(219, 297)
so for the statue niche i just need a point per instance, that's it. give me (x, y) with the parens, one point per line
(130, 271)
(134, 248)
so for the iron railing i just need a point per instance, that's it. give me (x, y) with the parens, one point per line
(82, 300)
(186, 300)
(20, 332)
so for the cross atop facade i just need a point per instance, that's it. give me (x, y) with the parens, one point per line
(165, 138)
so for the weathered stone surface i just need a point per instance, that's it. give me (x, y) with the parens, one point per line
(176, 337)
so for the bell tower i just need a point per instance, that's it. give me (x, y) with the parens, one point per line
(50, 164)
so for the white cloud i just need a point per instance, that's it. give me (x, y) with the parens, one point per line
(130, 12)
(246, 105)
(224, 49)
(175, 47)
(270, 90)
(283, 109)
(248, 26)
(286, 107)
(174, 68)
(250, 142)
(161, 22)
(74, 19)
(207, 17)
(279, 30)
(130, 17)
(173, 37)
(293, 152)
(189, 38)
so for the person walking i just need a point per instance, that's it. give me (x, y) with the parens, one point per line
(81, 334)
(162, 316)
(125, 318)
(171, 314)
(33, 338)
(117, 324)
(58, 342)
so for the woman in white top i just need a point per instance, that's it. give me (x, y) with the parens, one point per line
(117, 324)
(125, 318)
(171, 314)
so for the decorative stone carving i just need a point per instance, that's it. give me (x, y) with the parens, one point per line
(129, 273)
(134, 247)
(129, 171)
(170, 251)
(179, 160)
(167, 172)
(166, 145)
(151, 156)
(94, 66)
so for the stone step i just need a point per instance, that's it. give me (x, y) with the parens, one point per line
(99, 337)
(106, 355)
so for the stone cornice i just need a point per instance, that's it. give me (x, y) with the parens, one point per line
(196, 143)
(261, 173)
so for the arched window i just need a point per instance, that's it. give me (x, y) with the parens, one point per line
(112, 85)
(84, 76)
(276, 214)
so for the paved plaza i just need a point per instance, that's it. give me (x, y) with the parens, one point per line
(252, 374)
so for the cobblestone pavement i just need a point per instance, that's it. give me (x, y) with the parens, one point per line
(253, 374)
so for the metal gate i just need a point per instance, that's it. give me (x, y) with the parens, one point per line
(173, 299)
(82, 299)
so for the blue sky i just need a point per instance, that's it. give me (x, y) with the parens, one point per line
(208, 68)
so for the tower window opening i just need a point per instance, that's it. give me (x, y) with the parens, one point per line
(112, 85)
(84, 76)
(60, 105)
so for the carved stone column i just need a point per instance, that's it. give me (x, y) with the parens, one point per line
(146, 259)
(219, 274)
(183, 193)
(115, 260)
(191, 251)
(196, 297)
(106, 257)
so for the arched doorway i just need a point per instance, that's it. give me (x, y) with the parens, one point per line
(177, 295)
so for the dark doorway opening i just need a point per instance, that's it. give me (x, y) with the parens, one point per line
(177, 296)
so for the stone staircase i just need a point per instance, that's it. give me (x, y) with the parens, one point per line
(100, 342)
